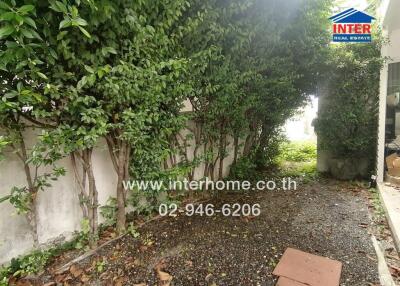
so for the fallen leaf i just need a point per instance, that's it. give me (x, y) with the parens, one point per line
(60, 278)
(209, 277)
(75, 271)
(164, 278)
(85, 278)
(24, 282)
(120, 281)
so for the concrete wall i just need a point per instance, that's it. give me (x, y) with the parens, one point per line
(391, 29)
(323, 156)
(59, 213)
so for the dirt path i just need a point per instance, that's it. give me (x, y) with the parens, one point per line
(327, 219)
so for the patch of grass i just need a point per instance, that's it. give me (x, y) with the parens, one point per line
(306, 170)
(298, 159)
(379, 211)
(298, 151)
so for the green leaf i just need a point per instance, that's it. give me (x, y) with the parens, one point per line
(53, 54)
(80, 22)
(30, 22)
(58, 7)
(10, 94)
(82, 82)
(4, 6)
(27, 33)
(36, 35)
(86, 33)
(42, 75)
(7, 16)
(89, 69)
(6, 30)
(19, 19)
(26, 8)
(108, 50)
(61, 35)
(3, 199)
(65, 23)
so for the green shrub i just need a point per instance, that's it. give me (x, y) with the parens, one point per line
(109, 212)
(33, 262)
(302, 151)
(244, 169)
(347, 121)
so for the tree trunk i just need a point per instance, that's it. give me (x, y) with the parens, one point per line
(88, 199)
(121, 217)
(222, 147)
(264, 137)
(32, 219)
(205, 172)
(249, 143)
(93, 200)
(32, 213)
(236, 148)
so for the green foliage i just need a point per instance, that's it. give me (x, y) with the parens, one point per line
(101, 266)
(307, 171)
(3, 144)
(269, 157)
(379, 215)
(244, 169)
(133, 231)
(298, 151)
(347, 125)
(4, 274)
(121, 70)
(21, 199)
(108, 212)
(298, 159)
(32, 263)
(83, 237)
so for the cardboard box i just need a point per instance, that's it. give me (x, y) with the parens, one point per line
(393, 165)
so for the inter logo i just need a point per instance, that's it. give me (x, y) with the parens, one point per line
(352, 25)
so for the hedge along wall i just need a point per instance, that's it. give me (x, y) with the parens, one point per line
(58, 211)
(247, 74)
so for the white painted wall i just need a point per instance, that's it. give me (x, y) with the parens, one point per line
(391, 29)
(380, 160)
(59, 213)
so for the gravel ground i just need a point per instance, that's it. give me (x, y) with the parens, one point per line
(327, 218)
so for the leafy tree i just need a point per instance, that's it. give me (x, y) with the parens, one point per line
(126, 78)
(347, 124)
(26, 103)
(290, 67)
(254, 64)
